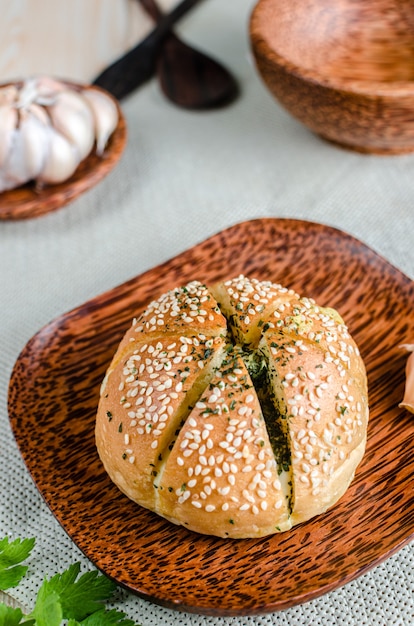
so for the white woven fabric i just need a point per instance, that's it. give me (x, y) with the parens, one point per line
(185, 176)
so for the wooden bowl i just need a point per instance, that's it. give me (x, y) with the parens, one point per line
(345, 69)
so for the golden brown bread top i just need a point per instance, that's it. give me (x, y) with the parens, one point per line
(222, 471)
(247, 304)
(145, 398)
(236, 410)
(186, 310)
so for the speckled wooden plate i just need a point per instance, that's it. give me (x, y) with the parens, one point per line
(27, 202)
(53, 397)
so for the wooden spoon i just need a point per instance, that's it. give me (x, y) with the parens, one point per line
(137, 66)
(189, 78)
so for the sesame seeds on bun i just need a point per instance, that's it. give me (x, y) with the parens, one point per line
(237, 410)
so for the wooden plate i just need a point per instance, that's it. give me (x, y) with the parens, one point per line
(27, 202)
(53, 397)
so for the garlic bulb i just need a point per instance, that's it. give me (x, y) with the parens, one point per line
(26, 155)
(72, 117)
(105, 117)
(8, 117)
(61, 161)
(408, 399)
(48, 127)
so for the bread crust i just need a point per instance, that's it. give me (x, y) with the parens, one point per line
(222, 471)
(237, 410)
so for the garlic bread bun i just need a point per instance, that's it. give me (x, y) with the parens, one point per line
(236, 410)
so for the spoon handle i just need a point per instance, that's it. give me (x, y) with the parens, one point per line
(152, 9)
(138, 65)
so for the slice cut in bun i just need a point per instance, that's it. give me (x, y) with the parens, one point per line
(238, 409)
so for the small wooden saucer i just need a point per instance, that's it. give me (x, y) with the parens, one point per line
(27, 201)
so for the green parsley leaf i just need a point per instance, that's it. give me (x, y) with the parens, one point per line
(11, 555)
(79, 597)
(68, 598)
(10, 616)
(48, 610)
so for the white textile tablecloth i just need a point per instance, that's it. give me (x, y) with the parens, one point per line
(183, 177)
